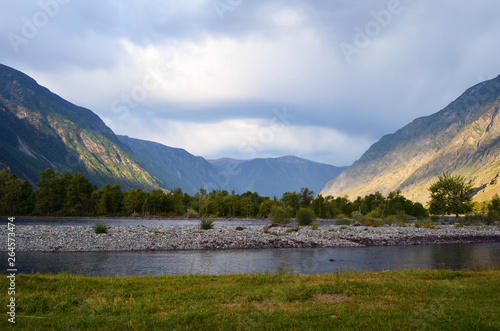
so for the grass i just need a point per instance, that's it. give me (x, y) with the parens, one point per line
(206, 223)
(100, 227)
(401, 300)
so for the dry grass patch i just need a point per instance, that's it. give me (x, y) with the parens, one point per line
(332, 298)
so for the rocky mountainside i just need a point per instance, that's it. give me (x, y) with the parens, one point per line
(275, 176)
(175, 167)
(463, 138)
(40, 130)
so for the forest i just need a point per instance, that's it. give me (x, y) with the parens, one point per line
(69, 194)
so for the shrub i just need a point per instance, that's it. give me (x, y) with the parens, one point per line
(401, 216)
(305, 216)
(377, 222)
(343, 220)
(357, 216)
(374, 214)
(100, 227)
(424, 224)
(206, 223)
(474, 217)
(280, 215)
(314, 226)
(390, 220)
(240, 228)
(494, 216)
(191, 213)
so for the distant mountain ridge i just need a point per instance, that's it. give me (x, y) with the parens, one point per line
(274, 176)
(463, 138)
(176, 168)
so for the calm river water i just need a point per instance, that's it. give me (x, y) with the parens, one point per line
(302, 260)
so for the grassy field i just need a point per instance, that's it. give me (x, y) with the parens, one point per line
(398, 300)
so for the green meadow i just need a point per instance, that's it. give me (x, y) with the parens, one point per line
(397, 300)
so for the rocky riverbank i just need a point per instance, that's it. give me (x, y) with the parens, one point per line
(48, 238)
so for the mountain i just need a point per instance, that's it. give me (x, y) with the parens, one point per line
(175, 167)
(275, 176)
(39, 130)
(463, 138)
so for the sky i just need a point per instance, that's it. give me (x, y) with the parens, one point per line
(318, 79)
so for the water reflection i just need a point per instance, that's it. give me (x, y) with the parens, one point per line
(303, 261)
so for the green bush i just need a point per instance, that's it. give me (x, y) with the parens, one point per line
(280, 215)
(357, 216)
(474, 218)
(374, 214)
(377, 222)
(305, 216)
(494, 216)
(100, 227)
(390, 220)
(424, 224)
(401, 216)
(191, 213)
(240, 228)
(206, 223)
(343, 220)
(314, 226)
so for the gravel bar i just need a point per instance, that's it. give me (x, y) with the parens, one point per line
(47, 238)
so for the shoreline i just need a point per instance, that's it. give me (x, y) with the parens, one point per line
(66, 238)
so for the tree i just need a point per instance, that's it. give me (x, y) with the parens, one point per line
(494, 205)
(16, 195)
(291, 200)
(133, 201)
(108, 200)
(494, 208)
(51, 194)
(450, 195)
(306, 197)
(78, 194)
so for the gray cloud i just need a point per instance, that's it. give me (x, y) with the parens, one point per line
(357, 70)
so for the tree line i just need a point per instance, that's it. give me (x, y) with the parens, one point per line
(69, 194)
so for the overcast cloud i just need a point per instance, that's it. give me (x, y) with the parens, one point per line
(255, 78)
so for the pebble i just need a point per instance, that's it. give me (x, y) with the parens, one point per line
(47, 238)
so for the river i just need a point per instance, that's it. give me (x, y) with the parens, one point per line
(301, 261)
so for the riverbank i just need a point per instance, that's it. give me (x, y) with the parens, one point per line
(396, 300)
(48, 238)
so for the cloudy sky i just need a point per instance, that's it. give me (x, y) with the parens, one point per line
(319, 79)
